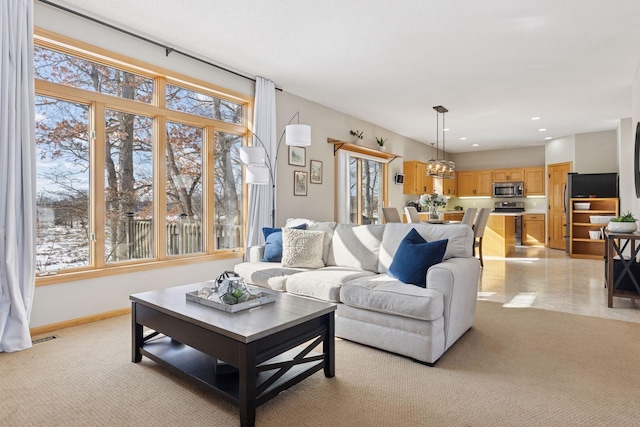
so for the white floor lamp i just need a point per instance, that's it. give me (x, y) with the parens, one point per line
(260, 170)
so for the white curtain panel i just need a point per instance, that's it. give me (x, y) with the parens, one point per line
(17, 174)
(260, 196)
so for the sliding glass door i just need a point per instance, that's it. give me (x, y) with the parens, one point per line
(365, 191)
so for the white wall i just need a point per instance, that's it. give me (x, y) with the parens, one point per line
(82, 298)
(596, 152)
(560, 150)
(496, 159)
(626, 135)
(593, 152)
(326, 123)
(52, 19)
(628, 199)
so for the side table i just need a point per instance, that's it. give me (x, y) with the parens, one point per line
(624, 283)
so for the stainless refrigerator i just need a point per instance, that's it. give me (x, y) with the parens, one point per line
(588, 185)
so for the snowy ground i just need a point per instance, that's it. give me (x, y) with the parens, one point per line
(60, 247)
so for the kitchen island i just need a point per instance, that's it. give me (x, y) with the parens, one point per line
(500, 235)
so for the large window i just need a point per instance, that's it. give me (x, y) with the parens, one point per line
(77, 72)
(184, 189)
(63, 184)
(200, 104)
(128, 189)
(132, 166)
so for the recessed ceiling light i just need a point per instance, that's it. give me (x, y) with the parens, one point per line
(542, 130)
(535, 118)
(475, 145)
(446, 129)
(464, 138)
(548, 137)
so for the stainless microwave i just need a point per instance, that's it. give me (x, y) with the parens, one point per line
(508, 189)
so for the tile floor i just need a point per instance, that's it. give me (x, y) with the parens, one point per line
(549, 279)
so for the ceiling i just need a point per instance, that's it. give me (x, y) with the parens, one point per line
(494, 64)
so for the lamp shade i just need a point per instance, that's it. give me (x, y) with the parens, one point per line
(257, 175)
(252, 156)
(298, 135)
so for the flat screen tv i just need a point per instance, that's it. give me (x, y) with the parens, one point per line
(593, 184)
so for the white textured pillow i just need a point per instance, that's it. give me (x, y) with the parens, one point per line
(302, 248)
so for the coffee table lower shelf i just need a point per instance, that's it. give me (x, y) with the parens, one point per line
(206, 371)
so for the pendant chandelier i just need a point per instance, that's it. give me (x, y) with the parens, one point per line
(440, 168)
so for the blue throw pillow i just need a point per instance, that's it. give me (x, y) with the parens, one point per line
(273, 243)
(414, 257)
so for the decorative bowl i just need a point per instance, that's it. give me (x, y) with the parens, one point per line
(622, 227)
(581, 206)
(594, 234)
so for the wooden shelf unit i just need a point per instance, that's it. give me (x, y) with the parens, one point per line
(356, 148)
(580, 244)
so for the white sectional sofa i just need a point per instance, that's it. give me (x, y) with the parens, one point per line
(374, 308)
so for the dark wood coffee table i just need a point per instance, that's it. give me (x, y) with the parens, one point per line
(246, 357)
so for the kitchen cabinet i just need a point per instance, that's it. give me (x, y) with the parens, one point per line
(484, 183)
(475, 183)
(453, 216)
(466, 183)
(581, 245)
(446, 187)
(506, 175)
(416, 180)
(534, 181)
(533, 229)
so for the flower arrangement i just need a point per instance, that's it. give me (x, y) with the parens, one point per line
(434, 200)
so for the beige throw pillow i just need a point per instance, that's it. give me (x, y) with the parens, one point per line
(302, 248)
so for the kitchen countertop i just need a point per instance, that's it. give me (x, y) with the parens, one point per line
(448, 211)
(534, 212)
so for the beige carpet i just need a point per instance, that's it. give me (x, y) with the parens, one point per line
(515, 367)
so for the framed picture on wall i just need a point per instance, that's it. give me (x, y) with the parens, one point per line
(297, 156)
(299, 183)
(315, 173)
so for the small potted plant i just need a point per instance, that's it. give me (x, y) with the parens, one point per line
(381, 142)
(623, 224)
(357, 135)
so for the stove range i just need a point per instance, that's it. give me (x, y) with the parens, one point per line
(508, 207)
